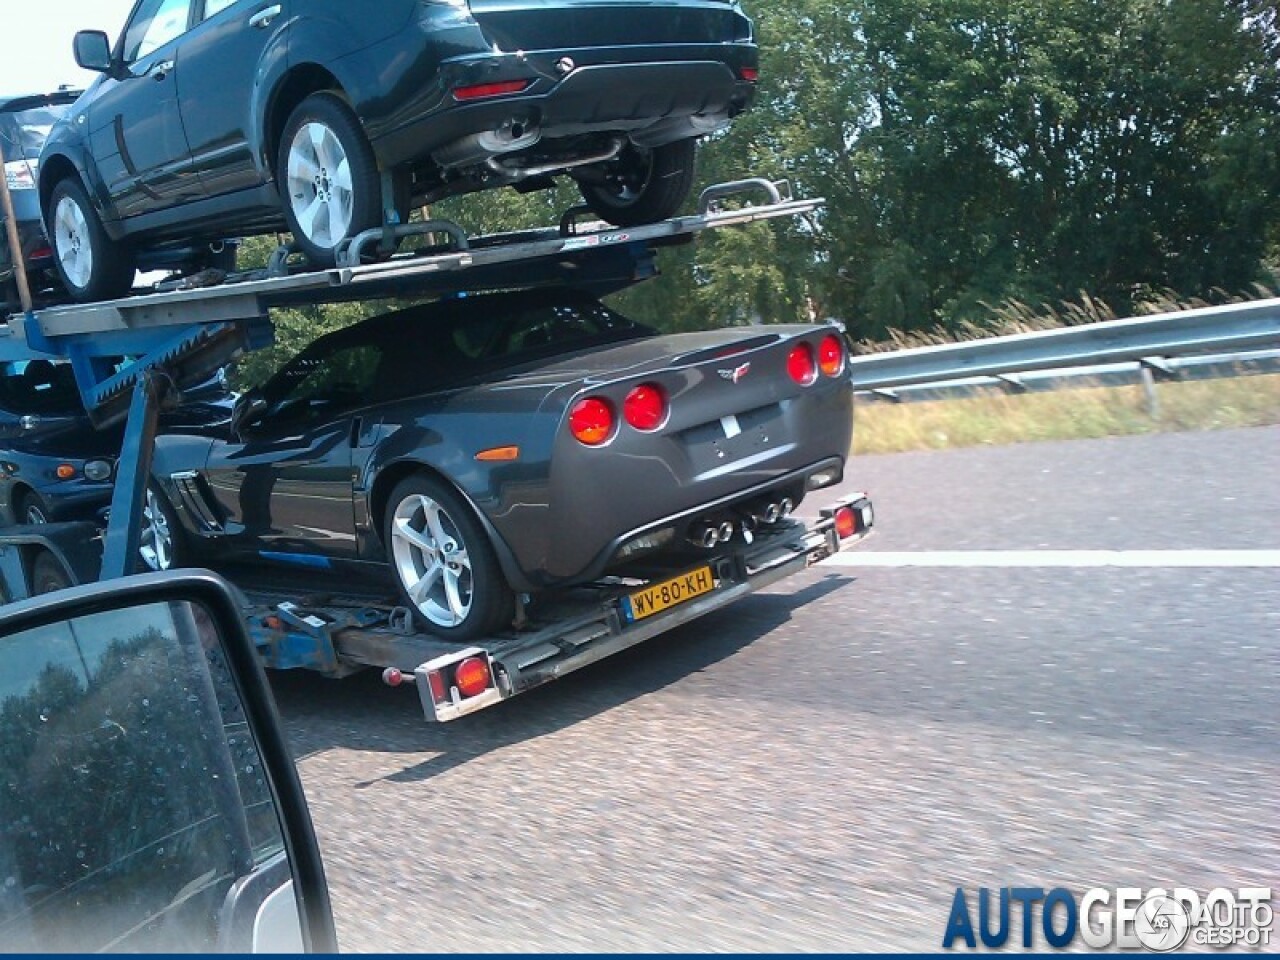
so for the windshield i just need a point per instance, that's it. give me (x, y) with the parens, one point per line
(24, 132)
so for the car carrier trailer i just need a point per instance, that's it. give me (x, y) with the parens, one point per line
(173, 339)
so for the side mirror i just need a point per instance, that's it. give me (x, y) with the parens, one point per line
(93, 51)
(148, 802)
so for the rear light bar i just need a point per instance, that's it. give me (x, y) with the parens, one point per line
(453, 685)
(749, 74)
(483, 91)
(850, 516)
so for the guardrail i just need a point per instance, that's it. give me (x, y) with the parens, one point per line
(1230, 329)
(1142, 373)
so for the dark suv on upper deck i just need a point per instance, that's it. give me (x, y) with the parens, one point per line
(216, 118)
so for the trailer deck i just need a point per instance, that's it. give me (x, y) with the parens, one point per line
(338, 635)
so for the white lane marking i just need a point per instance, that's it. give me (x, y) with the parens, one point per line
(1058, 558)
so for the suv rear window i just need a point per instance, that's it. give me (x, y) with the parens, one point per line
(25, 131)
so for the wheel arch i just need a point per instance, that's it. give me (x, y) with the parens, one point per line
(53, 171)
(295, 86)
(393, 473)
(18, 493)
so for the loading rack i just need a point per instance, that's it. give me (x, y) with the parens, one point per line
(132, 356)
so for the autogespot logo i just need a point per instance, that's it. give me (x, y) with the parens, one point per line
(1127, 917)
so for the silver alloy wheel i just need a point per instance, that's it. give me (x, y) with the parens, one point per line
(431, 560)
(35, 514)
(156, 545)
(71, 242)
(318, 180)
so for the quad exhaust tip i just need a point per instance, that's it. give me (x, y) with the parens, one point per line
(776, 510)
(710, 534)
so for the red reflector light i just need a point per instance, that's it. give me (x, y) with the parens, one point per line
(831, 355)
(40, 253)
(435, 679)
(472, 676)
(646, 407)
(481, 91)
(846, 523)
(591, 421)
(749, 74)
(801, 365)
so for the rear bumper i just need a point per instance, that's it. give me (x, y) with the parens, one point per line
(653, 94)
(601, 498)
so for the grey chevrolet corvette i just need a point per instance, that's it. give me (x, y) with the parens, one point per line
(515, 443)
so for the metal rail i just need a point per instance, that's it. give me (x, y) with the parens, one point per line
(1141, 373)
(1227, 329)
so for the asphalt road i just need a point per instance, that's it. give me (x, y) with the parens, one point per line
(820, 766)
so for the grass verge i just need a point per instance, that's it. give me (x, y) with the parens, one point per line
(999, 418)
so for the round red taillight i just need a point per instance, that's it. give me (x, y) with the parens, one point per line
(591, 421)
(846, 523)
(831, 355)
(801, 364)
(472, 676)
(646, 407)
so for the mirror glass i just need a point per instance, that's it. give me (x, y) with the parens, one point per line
(92, 50)
(133, 800)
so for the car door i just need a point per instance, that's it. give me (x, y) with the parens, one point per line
(135, 124)
(287, 483)
(222, 58)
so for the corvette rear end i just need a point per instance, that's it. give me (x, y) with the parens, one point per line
(705, 447)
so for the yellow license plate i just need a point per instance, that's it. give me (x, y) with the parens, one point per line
(668, 593)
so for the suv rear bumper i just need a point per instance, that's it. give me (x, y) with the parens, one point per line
(654, 95)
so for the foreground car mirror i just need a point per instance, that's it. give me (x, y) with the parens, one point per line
(93, 51)
(148, 802)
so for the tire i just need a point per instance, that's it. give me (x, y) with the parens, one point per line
(31, 509)
(644, 186)
(47, 575)
(90, 264)
(327, 176)
(460, 604)
(161, 545)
